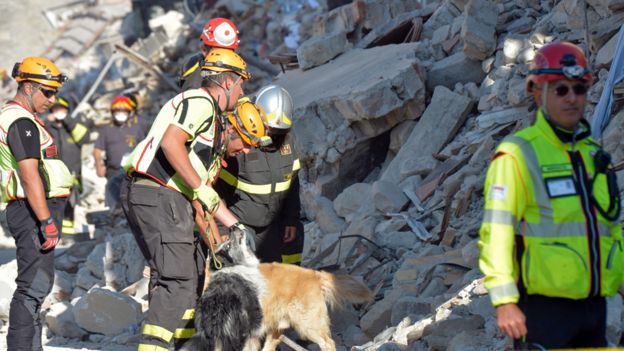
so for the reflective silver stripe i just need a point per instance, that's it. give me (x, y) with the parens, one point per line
(500, 217)
(500, 292)
(549, 229)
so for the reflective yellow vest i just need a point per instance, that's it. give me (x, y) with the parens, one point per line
(55, 175)
(194, 112)
(568, 249)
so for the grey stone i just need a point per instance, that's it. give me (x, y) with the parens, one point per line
(513, 46)
(614, 318)
(516, 93)
(326, 217)
(356, 198)
(388, 197)
(60, 320)
(106, 312)
(8, 273)
(399, 135)
(607, 52)
(377, 318)
(409, 305)
(451, 327)
(353, 335)
(443, 117)
(396, 240)
(478, 31)
(453, 69)
(444, 14)
(487, 120)
(317, 51)
(338, 20)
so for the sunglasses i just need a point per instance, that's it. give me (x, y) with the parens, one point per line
(578, 89)
(48, 93)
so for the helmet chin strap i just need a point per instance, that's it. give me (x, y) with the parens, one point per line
(545, 98)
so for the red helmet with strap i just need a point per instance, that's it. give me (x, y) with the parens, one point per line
(220, 33)
(555, 61)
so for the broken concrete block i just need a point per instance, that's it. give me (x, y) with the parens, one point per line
(607, 52)
(355, 198)
(478, 31)
(444, 14)
(513, 45)
(614, 318)
(409, 305)
(326, 217)
(378, 316)
(107, 312)
(487, 120)
(60, 320)
(316, 51)
(453, 69)
(8, 273)
(443, 117)
(388, 197)
(339, 20)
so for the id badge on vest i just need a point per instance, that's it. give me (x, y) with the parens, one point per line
(560, 186)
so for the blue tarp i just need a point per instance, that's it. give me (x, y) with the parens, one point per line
(616, 74)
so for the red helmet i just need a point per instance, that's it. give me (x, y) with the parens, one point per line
(123, 102)
(220, 33)
(555, 61)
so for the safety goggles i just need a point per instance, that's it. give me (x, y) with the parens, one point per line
(578, 89)
(570, 72)
(48, 93)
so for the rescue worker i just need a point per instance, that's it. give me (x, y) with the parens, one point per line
(69, 135)
(171, 178)
(261, 188)
(116, 140)
(217, 33)
(35, 183)
(551, 242)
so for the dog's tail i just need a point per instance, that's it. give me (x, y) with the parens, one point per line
(341, 289)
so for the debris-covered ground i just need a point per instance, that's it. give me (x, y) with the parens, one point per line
(398, 108)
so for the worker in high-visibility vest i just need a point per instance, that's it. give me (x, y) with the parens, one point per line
(551, 242)
(35, 182)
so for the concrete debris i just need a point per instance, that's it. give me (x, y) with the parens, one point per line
(398, 109)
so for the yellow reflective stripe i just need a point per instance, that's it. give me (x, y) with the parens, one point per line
(148, 347)
(282, 186)
(190, 70)
(157, 331)
(296, 165)
(505, 292)
(246, 187)
(79, 132)
(500, 217)
(68, 223)
(189, 314)
(294, 258)
(184, 333)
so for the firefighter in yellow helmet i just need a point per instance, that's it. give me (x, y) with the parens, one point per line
(262, 188)
(171, 173)
(35, 183)
(551, 241)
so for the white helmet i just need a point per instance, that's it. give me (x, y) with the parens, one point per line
(277, 106)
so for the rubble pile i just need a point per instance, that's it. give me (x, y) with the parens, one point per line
(398, 108)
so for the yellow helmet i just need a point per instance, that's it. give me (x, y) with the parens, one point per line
(250, 123)
(39, 70)
(225, 60)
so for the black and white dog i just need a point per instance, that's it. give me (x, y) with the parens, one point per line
(229, 314)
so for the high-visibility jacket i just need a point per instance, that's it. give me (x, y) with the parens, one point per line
(195, 112)
(539, 190)
(56, 178)
(261, 186)
(69, 136)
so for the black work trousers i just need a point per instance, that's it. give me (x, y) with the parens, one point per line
(270, 245)
(162, 222)
(558, 323)
(35, 273)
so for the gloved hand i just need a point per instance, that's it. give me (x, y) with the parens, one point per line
(250, 234)
(49, 234)
(208, 198)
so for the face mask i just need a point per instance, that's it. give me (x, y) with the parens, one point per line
(60, 115)
(120, 117)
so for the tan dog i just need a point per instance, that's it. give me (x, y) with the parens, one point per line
(298, 298)
(248, 300)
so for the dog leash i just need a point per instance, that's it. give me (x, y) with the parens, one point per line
(211, 245)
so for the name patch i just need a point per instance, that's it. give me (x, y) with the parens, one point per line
(560, 186)
(498, 192)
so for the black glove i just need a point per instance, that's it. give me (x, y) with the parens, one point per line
(239, 228)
